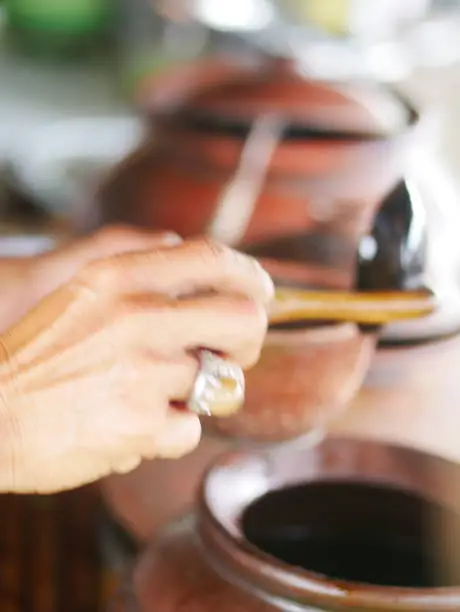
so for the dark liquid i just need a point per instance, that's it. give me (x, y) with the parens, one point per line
(358, 533)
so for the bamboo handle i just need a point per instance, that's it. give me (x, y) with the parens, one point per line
(377, 308)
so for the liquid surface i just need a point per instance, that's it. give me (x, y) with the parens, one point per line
(358, 533)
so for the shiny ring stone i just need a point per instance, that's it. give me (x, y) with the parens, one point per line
(219, 387)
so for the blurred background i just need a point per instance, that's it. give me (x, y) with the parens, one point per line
(71, 72)
(75, 85)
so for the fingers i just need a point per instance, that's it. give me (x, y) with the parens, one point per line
(58, 266)
(123, 239)
(232, 325)
(179, 378)
(187, 268)
(181, 435)
(116, 239)
(126, 465)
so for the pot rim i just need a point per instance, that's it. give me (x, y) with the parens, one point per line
(219, 529)
(165, 93)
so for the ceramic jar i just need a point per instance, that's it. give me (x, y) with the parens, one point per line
(347, 525)
(304, 380)
(336, 150)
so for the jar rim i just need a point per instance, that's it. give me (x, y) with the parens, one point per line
(236, 480)
(180, 92)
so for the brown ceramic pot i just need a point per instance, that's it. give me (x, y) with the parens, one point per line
(340, 150)
(303, 380)
(347, 525)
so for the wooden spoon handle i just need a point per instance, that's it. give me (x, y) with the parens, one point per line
(376, 308)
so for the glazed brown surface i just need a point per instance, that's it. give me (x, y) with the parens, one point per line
(303, 380)
(315, 527)
(334, 162)
(208, 563)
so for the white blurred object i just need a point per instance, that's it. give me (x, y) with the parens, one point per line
(59, 163)
(234, 15)
(356, 17)
(27, 245)
(378, 39)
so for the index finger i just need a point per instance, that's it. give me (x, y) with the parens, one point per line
(188, 268)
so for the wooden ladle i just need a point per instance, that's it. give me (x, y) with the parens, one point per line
(370, 307)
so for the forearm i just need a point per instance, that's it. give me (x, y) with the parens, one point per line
(18, 289)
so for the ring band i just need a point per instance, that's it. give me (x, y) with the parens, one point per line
(219, 386)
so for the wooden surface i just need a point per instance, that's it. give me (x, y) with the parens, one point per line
(50, 558)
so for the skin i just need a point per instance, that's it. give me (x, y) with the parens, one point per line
(91, 375)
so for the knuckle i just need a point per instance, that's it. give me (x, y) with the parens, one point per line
(210, 251)
(230, 262)
(102, 277)
(257, 320)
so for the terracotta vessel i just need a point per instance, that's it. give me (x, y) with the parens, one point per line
(348, 525)
(304, 380)
(325, 158)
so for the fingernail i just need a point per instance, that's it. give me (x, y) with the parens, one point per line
(171, 239)
(267, 283)
(127, 465)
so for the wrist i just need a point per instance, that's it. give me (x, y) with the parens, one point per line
(9, 426)
(16, 279)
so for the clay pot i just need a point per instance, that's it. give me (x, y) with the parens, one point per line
(340, 150)
(348, 525)
(303, 380)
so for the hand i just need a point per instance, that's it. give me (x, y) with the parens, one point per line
(89, 374)
(26, 280)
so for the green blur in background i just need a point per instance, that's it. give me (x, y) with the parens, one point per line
(59, 27)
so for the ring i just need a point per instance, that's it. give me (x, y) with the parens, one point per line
(219, 387)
